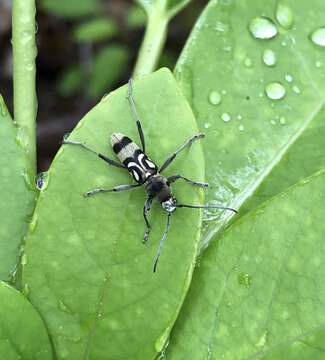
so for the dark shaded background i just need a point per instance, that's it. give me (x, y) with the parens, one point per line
(74, 73)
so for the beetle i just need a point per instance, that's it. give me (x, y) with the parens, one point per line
(145, 172)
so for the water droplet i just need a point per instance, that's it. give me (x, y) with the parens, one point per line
(207, 125)
(33, 223)
(223, 92)
(214, 98)
(24, 260)
(225, 117)
(239, 117)
(241, 127)
(284, 15)
(221, 27)
(63, 307)
(318, 36)
(285, 315)
(296, 89)
(318, 64)
(262, 340)
(248, 62)
(288, 78)
(282, 120)
(26, 290)
(283, 43)
(26, 36)
(244, 279)
(272, 122)
(275, 91)
(41, 179)
(269, 57)
(262, 28)
(227, 47)
(163, 340)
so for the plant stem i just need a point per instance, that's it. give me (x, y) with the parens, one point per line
(152, 45)
(24, 71)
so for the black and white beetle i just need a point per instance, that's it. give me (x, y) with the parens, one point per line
(145, 172)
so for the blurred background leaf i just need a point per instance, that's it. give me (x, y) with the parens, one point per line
(95, 30)
(136, 17)
(66, 58)
(72, 8)
(109, 64)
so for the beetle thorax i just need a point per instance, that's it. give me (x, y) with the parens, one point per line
(157, 187)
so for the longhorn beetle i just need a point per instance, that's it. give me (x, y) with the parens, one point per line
(145, 172)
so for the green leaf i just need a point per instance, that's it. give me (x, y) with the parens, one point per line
(17, 198)
(71, 9)
(95, 30)
(136, 17)
(259, 291)
(248, 133)
(22, 332)
(87, 270)
(109, 65)
(305, 157)
(70, 81)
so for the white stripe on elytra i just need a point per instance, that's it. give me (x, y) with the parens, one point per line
(135, 174)
(146, 162)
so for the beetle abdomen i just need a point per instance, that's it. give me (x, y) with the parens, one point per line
(123, 146)
(134, 159)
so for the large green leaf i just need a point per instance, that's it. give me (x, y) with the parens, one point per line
(86, 268)
(17, 198)
(306, 156)
(224, 73)
(259, 292)
(22, 332)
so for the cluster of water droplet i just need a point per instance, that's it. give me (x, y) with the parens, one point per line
(264, 28)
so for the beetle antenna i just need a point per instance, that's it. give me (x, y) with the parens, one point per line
(162, 241)
(206, 207)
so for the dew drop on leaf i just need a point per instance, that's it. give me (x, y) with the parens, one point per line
(241, 127)
(248, 62)
(275, 91)
(41, 180)
(26, 290)
(207, 125)
(269, 57)
(284, 15)
(33, 223)
(288, 78)
(282, 120)
(296, 89)
(63, 307)
(239, 117)
(318, 36)
(262, 28)
(24, 260)
(244, 279)
(225, 117)
(262, 340)
(318, 64)
(214, 98)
